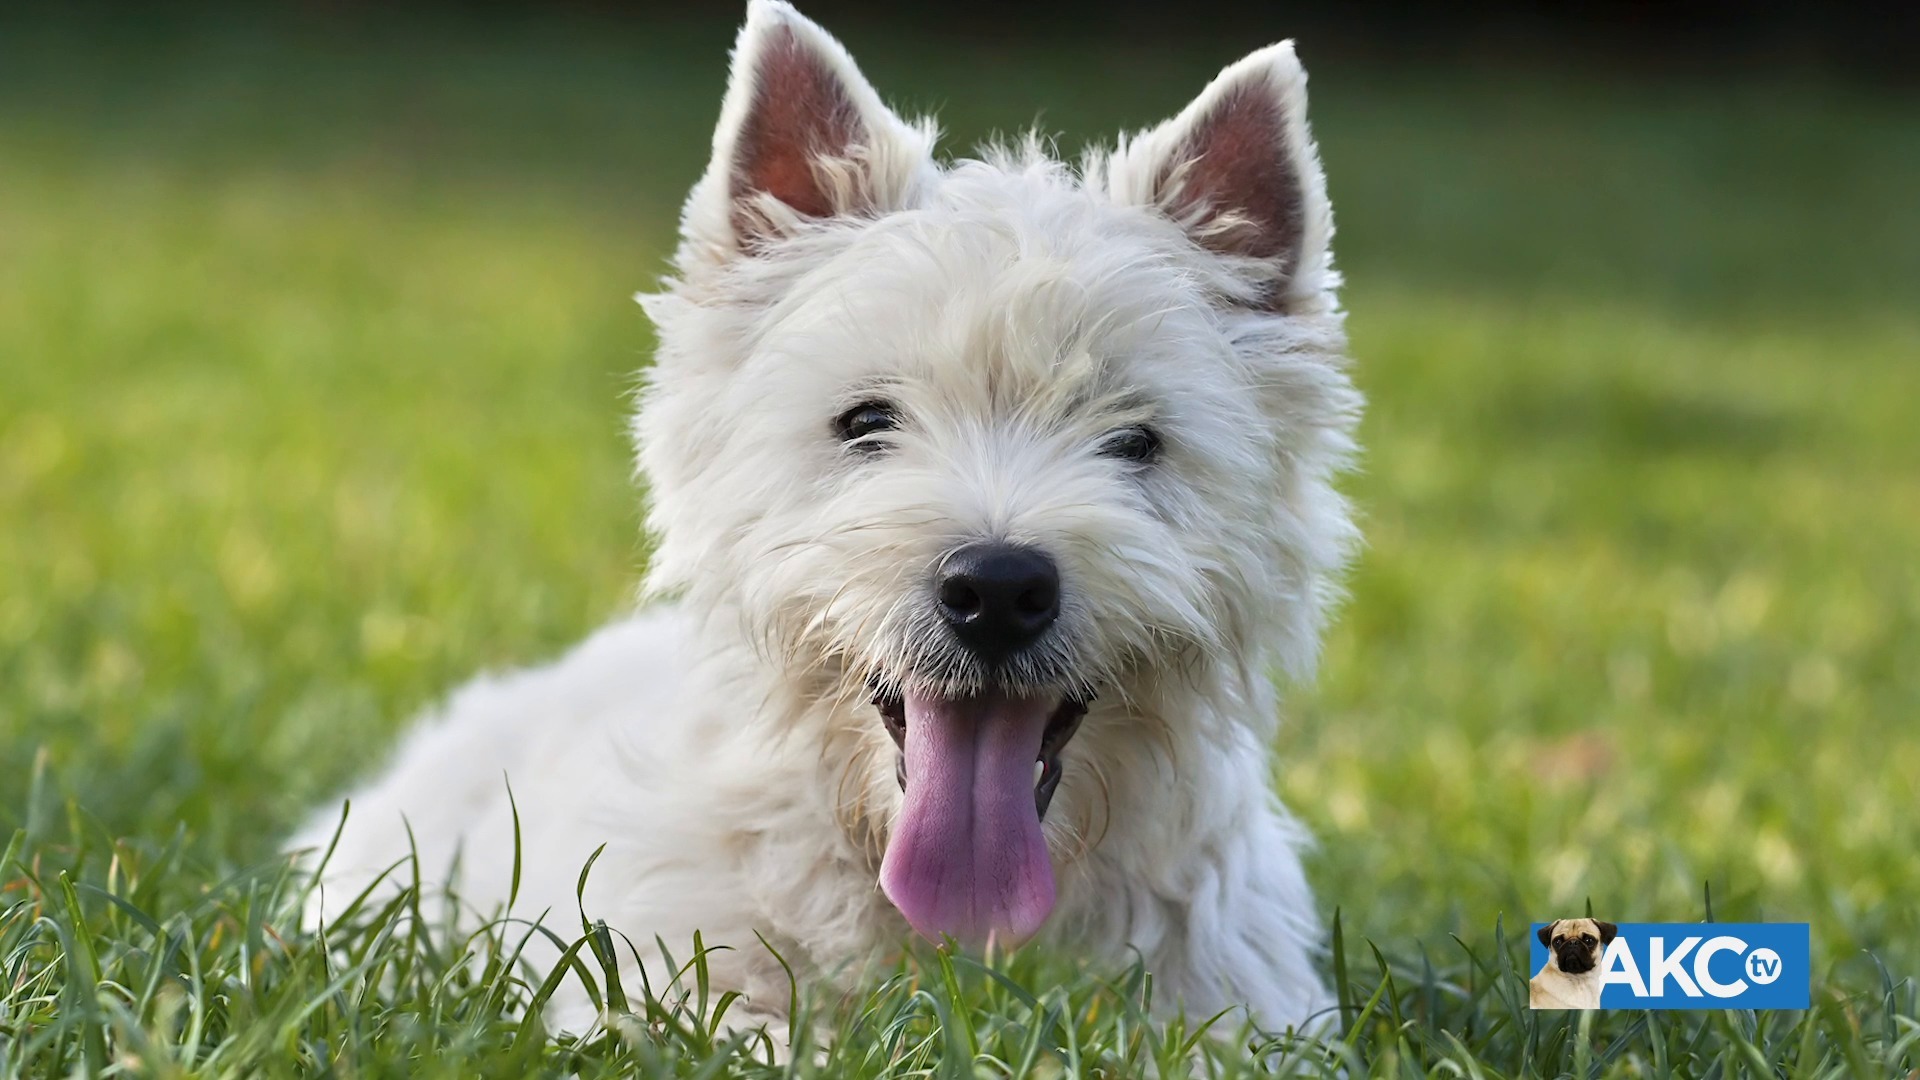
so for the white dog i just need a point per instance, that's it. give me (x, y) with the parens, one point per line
(989, 495)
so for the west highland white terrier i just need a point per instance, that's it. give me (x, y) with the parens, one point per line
(988, 496)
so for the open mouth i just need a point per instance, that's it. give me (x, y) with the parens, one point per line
(966, 855)
(1060, 729)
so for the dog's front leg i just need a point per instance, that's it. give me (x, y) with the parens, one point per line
(1252, 935)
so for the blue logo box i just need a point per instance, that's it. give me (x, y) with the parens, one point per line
(1702, 966)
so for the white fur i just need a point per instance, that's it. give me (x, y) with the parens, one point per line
(721, 744)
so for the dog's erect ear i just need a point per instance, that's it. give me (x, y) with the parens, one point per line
(1607, 932)
(1546, 933)
(802, 135)
(1238, 168)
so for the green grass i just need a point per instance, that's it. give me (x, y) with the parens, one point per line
(314, 341)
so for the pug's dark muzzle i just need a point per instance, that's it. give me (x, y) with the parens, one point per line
(1575, 957)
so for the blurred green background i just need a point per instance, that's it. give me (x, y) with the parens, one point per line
(316, 342)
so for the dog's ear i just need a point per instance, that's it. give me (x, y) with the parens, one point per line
(1607, 932)
(802, 135)
(1546, 933)
(1239, 170)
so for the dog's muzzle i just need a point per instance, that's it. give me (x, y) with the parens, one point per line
(980, 718)
(1574, 957)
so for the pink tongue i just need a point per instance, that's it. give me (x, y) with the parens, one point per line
(967, 857)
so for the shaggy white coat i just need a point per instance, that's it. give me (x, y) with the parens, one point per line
(721, 744)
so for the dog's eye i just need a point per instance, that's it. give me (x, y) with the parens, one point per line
(864, 419)
(1587, 938)
(1138, 444)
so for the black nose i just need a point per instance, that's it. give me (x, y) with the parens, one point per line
(998, 597)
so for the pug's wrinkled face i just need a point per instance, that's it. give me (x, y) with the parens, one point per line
(1577, 944)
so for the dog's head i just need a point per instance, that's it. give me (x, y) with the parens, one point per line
(1577, 944)
(977, 451)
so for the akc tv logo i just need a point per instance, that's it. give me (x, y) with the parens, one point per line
(1586, 963)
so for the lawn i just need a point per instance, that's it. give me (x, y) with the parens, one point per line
(315, 344)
